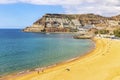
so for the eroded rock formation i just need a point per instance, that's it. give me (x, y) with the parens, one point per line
(70, 22)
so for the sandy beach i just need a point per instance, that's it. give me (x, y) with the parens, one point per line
(103, 63)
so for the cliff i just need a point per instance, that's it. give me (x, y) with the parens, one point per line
(71, 22)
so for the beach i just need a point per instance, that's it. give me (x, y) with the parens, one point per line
(102, 63)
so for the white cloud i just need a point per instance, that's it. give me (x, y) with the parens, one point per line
(7, 1)
(103, 7)
(43, 2)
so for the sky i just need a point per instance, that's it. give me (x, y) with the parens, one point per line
(22, 13)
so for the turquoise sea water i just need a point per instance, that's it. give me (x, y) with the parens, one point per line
(22, 51)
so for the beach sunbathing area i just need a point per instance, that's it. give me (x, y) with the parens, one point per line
(102, 63)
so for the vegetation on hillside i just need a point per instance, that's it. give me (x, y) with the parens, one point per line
(102, 32)
(117, 33)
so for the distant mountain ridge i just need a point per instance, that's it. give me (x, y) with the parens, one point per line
(70, 22)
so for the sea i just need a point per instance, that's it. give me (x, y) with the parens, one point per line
(20, 51)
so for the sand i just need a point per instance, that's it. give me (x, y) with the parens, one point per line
(103, 63)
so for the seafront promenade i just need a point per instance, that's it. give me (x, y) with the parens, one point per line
(100, 64)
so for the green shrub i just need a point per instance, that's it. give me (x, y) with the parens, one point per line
(117, 33)
(102, 32)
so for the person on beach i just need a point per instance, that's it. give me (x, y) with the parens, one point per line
(38, 72)
(68, 69)
(42, 70)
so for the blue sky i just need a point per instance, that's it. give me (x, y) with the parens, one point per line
(22, 13)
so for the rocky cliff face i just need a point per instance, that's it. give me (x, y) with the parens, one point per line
(71, 22)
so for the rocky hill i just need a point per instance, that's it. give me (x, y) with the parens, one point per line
(71, 22)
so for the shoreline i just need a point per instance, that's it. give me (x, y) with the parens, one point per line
(52, 32)
(51, 66)
(101, 63)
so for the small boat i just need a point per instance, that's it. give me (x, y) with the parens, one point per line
(47, 33)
